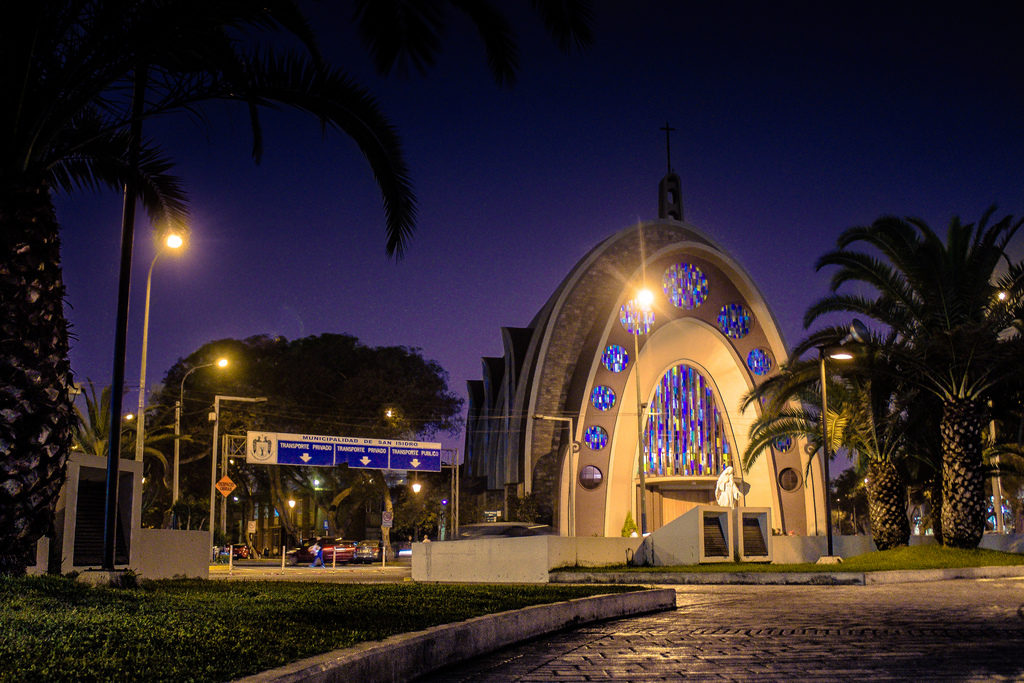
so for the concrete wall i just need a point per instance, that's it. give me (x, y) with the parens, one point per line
(1008, 543)
(529, 559)
(514, 560)
(796, 549)
(169, 553)
(799, 549)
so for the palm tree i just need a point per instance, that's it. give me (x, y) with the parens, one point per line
(948, 316)
(863, 417)
(78, 77)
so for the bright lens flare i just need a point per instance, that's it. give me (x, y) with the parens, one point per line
(645, 298)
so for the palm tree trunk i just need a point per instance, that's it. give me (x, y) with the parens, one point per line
(963, 485)
(36, 415)
(935, 503)
(887, 505)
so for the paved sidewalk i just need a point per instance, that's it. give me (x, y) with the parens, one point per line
(943, 630)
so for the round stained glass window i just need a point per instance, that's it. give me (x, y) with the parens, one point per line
(783, 444)
(760, 362)
(734, 321)
(615, 358)
(596, 437)
(635, 318)
(590, 477)
(602, 397)
(685, 285)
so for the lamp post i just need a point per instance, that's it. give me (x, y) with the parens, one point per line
(222, 363)
(858, 333)
(641, 307)
(570, 518)
(213, 460)
(835, 353)
(172, 241)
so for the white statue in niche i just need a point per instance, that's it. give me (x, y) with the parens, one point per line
(727, 494)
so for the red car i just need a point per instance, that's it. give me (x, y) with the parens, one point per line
(335, 550)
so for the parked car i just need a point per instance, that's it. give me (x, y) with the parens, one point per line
(335, 550)
(239, 551)
(502, 530)
(368, 551)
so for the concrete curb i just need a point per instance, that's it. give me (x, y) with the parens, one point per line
(405, 656)
(787, 578)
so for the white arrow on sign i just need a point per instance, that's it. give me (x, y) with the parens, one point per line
(415, 462)
(365, 460)
(305, 457)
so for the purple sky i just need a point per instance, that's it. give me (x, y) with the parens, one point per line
(792, 124)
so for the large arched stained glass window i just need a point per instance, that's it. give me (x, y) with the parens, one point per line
(684, 433)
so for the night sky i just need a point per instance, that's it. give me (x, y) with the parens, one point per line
(793, 123)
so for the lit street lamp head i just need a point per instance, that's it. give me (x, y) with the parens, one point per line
(645, 298)
(222, 363)
(173, 240)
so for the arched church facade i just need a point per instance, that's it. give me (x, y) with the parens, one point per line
(597, 360)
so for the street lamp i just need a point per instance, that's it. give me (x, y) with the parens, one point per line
(858, 332)
(171, 241)
(213, 460)
(571, 516)
(221, 363)
(641, 308)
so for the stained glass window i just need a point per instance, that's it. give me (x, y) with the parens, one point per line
(734, 321)
(635, 318)
(684, 433)
(596, 437)
(685, 285)
(760, 362)
(615, 358)
(783, 443)
(602, 397)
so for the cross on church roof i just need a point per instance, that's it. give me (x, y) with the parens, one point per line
(668, 148)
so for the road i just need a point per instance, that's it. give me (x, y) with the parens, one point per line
(935, 631)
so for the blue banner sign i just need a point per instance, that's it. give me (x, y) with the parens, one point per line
(273, 448)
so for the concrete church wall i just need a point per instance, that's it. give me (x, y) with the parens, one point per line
(514, 560)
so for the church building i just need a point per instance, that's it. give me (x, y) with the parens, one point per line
(610, 388)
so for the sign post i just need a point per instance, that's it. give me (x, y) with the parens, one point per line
(387, 521)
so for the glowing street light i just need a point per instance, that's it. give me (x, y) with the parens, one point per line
(858, 333)
(220, 363)
(172, 241)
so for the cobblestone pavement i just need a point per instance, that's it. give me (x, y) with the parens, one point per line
(943, 630)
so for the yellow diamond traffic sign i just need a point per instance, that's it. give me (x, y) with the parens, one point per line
(225, 486)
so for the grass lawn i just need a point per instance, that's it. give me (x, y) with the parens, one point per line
(907, 557)
(55, 629)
